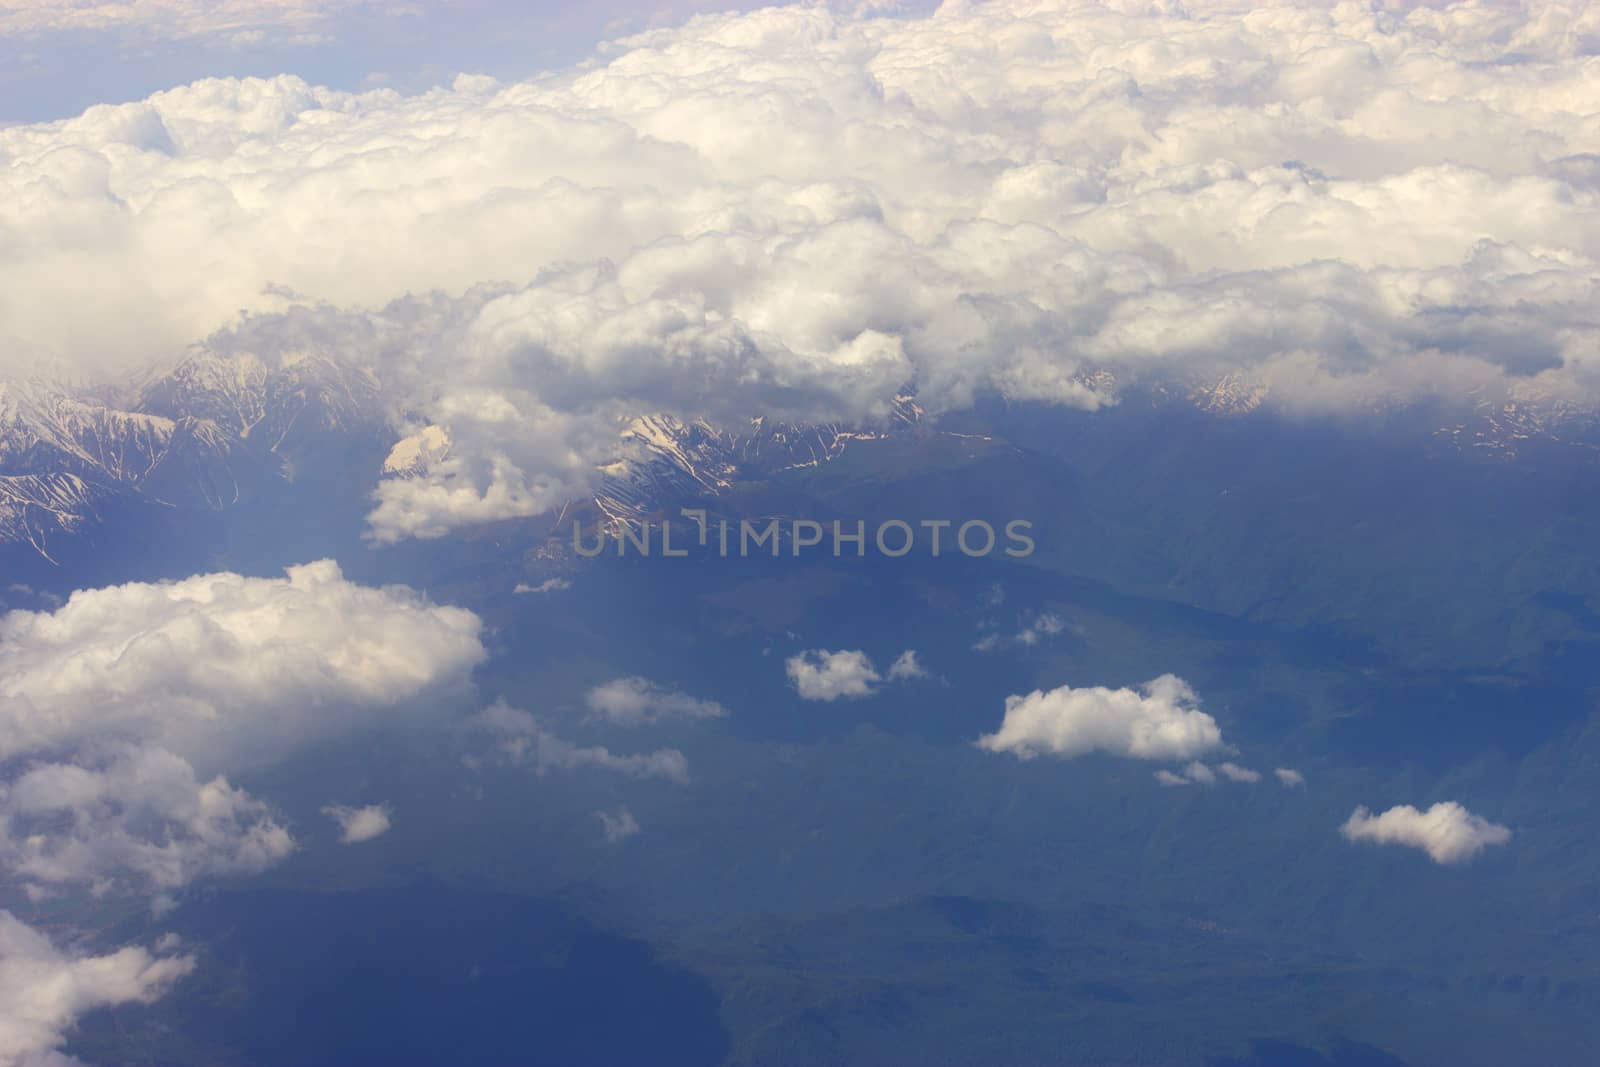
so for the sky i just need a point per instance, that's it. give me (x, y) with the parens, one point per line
(56, 59)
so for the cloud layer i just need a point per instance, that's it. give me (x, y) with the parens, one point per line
(241, 21)
(804, 211)
(1447, 832)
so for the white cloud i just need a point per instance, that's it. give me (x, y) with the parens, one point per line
(549, 585)
(521, 740)
(1290, 779)
(1012, 195)
(619, 826)
(125, 708)
(1197, 773)
(906, 666)
(818, 674)
(224, 669)
(1161, 720)
(359, 824)
(634, 701)
(132, 812)
(45, 989)
(1447, 832)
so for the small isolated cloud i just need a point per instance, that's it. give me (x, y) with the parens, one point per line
(1197, 773)
(907, 666)
(522, 741)
(1447, 832)
(818, 674)
(1161, 720)
(44, 990)
(549, 585)
(1291, 779)
(822, 675)
(358, 824)
(635, 701)
(1042, 626)
(618, 826)
(1235, 773)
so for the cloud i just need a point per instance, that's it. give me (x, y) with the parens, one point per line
(549, 585)
(635, 701)
(618, 827)
(134, 812)
(1011, 196)
(44, 989)
(521, 740)
(224, 669)
(1161, 720)
(906, 666)
(1290, 779)
(1235, 773)
(1197, 773)
(124, 709)
(1447, 832)
(359, 824)
(1046, 624)
(818, 674)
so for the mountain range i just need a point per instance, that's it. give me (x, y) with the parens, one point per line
(218, 429)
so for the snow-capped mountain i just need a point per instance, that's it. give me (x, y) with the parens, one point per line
(203, 436)
(217, 428)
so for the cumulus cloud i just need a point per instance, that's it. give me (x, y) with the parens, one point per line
(225, 669)
(521, 740)
(358, 824)
(1447, 832)
(122, 711)
(139, 813)
(618, 826)
(1340, 205)
(635, 701)
(1161, 720)
(44, 989)
(818, 674)
(1290, 779)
